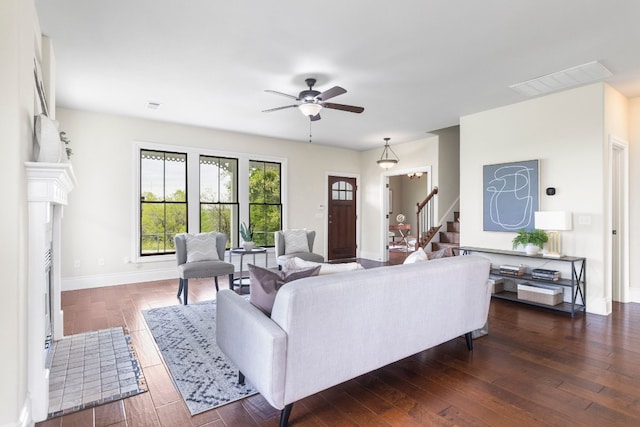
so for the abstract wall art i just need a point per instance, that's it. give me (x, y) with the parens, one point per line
(510, 195)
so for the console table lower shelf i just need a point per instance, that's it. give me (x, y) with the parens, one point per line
(563, 306)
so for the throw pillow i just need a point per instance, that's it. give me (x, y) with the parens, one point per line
(417, 256)
(295, 241)
(264, 284)
(442, 253)
(202, 247)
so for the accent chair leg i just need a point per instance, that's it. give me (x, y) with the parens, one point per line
(240, 378)
(179, 287)
(284, 415)
(215, 280)
(186, 290)
(231, 281)
(469, 339)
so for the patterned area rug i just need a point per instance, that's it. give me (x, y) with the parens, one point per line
(186, 337)
(91, 369)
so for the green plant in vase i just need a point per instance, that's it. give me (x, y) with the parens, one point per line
(531, 240)
(247, 236)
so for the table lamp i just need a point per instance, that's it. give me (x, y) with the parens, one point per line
(553, 222)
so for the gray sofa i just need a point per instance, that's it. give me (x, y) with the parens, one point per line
(328, 329)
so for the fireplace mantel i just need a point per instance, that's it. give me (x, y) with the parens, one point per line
(48, 186)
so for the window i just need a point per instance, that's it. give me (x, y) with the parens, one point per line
(163, 200)
(265, 201)
(342, 190)
(219, 197)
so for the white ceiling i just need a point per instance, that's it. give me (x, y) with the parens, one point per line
(414, 65)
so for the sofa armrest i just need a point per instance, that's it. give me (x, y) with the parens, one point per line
(254, 344)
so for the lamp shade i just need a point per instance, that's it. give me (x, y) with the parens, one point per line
(310, 108)
(553, 220)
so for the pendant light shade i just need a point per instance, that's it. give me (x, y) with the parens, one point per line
(385, 161)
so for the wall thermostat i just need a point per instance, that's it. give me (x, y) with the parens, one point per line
(551, 191)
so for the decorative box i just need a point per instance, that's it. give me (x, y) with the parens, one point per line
(548, 295)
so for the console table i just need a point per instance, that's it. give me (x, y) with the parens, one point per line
(577, 283)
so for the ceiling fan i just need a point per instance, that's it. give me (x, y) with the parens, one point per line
(312, 101)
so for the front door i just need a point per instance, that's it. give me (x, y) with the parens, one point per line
(342, 218)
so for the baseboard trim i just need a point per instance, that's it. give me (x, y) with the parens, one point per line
(634, 294)
(599, 306)
(88, 282)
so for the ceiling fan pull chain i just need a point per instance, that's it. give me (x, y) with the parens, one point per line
(310, 130)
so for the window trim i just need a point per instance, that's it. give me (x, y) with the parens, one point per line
(193, 188)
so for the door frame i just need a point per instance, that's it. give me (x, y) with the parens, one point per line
(384, 201)
(618, 149)
(325, 209)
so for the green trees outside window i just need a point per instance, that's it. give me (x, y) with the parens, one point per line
(163, 200)
(265, 201)
(219, 196)
(165, 203)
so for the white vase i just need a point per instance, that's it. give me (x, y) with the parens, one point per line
(248, 246)
(531, 249)
(48, 147)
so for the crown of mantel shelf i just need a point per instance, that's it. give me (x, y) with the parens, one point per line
(49, 182)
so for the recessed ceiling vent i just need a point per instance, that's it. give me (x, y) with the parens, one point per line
(153, 105)
(560, 80)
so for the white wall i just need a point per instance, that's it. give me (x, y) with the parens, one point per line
(98, 223)
(19, 39)
(566, 132)
(449, 171)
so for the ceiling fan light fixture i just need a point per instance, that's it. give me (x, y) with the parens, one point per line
(310, 109)
(386, 162)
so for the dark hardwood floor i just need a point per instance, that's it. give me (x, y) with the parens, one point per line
(536, 367)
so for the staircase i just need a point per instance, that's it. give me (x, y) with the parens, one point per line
(451, 237)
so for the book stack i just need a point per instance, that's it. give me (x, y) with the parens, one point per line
(512, 270)
(541, 273)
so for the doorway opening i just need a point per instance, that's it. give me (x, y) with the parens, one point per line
(618, 221)
(401, 190)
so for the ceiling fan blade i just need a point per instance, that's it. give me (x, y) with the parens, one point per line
(281, 94)
(350, 108)
(279, 108)
(330, 93)
(315, 118)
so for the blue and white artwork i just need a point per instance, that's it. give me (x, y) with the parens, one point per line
(510, 192)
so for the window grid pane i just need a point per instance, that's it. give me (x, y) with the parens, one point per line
(265, 206)
(163, 200)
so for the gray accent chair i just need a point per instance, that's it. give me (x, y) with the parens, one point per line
(307, 256)
(201, 269)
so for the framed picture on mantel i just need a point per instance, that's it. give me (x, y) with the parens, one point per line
(510, 195)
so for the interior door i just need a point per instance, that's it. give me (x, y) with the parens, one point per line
(341, 218)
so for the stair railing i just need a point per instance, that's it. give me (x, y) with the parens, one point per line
(425, 218)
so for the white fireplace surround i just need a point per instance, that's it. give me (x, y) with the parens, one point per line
(48, 185)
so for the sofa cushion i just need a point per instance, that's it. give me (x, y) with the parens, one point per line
(417, 256)
(202, 247)
(295, 241)
(296, 263)
(264, 284)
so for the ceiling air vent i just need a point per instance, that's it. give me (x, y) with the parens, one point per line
(153, 105)
(560, 80)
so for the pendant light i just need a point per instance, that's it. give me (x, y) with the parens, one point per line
(385, 161)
